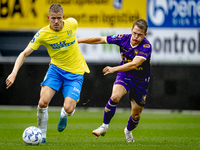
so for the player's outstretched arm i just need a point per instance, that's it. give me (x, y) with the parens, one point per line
(92, 40)
(137, 61)
(18, 63)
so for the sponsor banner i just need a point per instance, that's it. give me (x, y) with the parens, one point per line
(169, 46)
(175, 46)
(32, 14)
(174, 13)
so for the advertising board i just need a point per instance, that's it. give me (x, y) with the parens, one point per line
(32, 14)
(174, 31)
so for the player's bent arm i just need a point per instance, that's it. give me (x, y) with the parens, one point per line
(18, 63)
(137, 61)
(92, 40)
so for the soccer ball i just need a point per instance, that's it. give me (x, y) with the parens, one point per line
(32, 135)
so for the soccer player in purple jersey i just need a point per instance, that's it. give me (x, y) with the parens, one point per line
(132, 77)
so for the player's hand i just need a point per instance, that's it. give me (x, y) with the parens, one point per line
(108, 70)
(10, 80)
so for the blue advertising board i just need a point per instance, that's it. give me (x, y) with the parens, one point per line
(173, 13)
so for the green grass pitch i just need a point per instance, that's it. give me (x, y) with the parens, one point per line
(157, 130)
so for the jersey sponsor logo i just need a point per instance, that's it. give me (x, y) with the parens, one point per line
(146, 45)
(114, 36)
(120, 35)
(62, 45)
(173, 13)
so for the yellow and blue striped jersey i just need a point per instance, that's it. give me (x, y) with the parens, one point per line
(62, 47)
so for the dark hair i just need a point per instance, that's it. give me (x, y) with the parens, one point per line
(142, 24)
(55, 8)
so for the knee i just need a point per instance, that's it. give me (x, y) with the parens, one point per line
(115, 98)
(136, 116)
(42, 104)
(44, 101)
(69, 110)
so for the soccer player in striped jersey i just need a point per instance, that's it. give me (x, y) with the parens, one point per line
(132, 77)
(66, 69)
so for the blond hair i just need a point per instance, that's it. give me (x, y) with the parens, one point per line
(55, 8)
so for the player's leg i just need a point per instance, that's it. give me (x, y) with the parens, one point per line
(133, 121)
(51, 84)
(71, 91)
(117, 93)
(66, 111)
(46, 95)
(137, 96)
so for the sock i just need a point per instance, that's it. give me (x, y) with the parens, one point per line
(109, 111)
(132, 124)
(64, 114)
(105, 126)
(127, 131)
(42, 116)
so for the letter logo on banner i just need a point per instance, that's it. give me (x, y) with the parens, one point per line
(174, 13)
(157, 11)
(7, 10)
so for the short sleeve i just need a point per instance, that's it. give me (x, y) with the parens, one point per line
(115, 39)
(73, 22)
(36, 41)
(145, 51)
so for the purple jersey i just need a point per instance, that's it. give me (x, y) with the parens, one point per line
(128, 53)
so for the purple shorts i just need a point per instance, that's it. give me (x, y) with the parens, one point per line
(137, 90)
